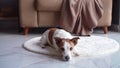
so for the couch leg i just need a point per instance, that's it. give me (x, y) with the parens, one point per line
(105, 28)
(26, 29)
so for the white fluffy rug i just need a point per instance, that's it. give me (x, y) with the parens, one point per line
(87, 46)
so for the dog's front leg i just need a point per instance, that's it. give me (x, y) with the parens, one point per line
(75, 52)
(43, 41)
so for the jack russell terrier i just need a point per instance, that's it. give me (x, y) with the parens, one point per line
(62, 41)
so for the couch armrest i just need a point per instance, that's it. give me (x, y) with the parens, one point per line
(27, 13)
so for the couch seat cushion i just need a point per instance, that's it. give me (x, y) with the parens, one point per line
(49, 5)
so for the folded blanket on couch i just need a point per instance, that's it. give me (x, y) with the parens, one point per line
(80, 16)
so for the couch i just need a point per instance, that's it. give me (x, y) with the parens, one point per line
(46, 13)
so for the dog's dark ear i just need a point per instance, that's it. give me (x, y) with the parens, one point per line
(58, 40)
(74, 40)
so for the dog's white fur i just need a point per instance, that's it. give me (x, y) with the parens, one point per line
(59, 33)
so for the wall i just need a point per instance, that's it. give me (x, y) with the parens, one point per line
(116, 16)
(10, 3)
(116, 12)
(9, 23)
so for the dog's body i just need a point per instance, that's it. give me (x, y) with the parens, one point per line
(61, 40)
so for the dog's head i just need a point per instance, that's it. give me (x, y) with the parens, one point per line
(66, 46)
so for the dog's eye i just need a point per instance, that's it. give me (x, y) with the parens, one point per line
(62, 49)
(71, 48)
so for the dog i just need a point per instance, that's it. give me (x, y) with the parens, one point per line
(62, 41)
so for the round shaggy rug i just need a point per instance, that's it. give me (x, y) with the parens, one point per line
(87, 46)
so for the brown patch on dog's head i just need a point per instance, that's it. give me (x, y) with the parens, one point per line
(75, 40)
(60, 42)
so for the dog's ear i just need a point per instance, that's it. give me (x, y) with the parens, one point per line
(75, 40)
(58, 40)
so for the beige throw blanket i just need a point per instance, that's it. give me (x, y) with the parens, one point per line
(80, 16)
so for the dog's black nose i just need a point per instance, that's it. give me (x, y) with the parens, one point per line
(67, 58)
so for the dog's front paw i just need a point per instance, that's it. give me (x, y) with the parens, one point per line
(43, 46)
(76, 54)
